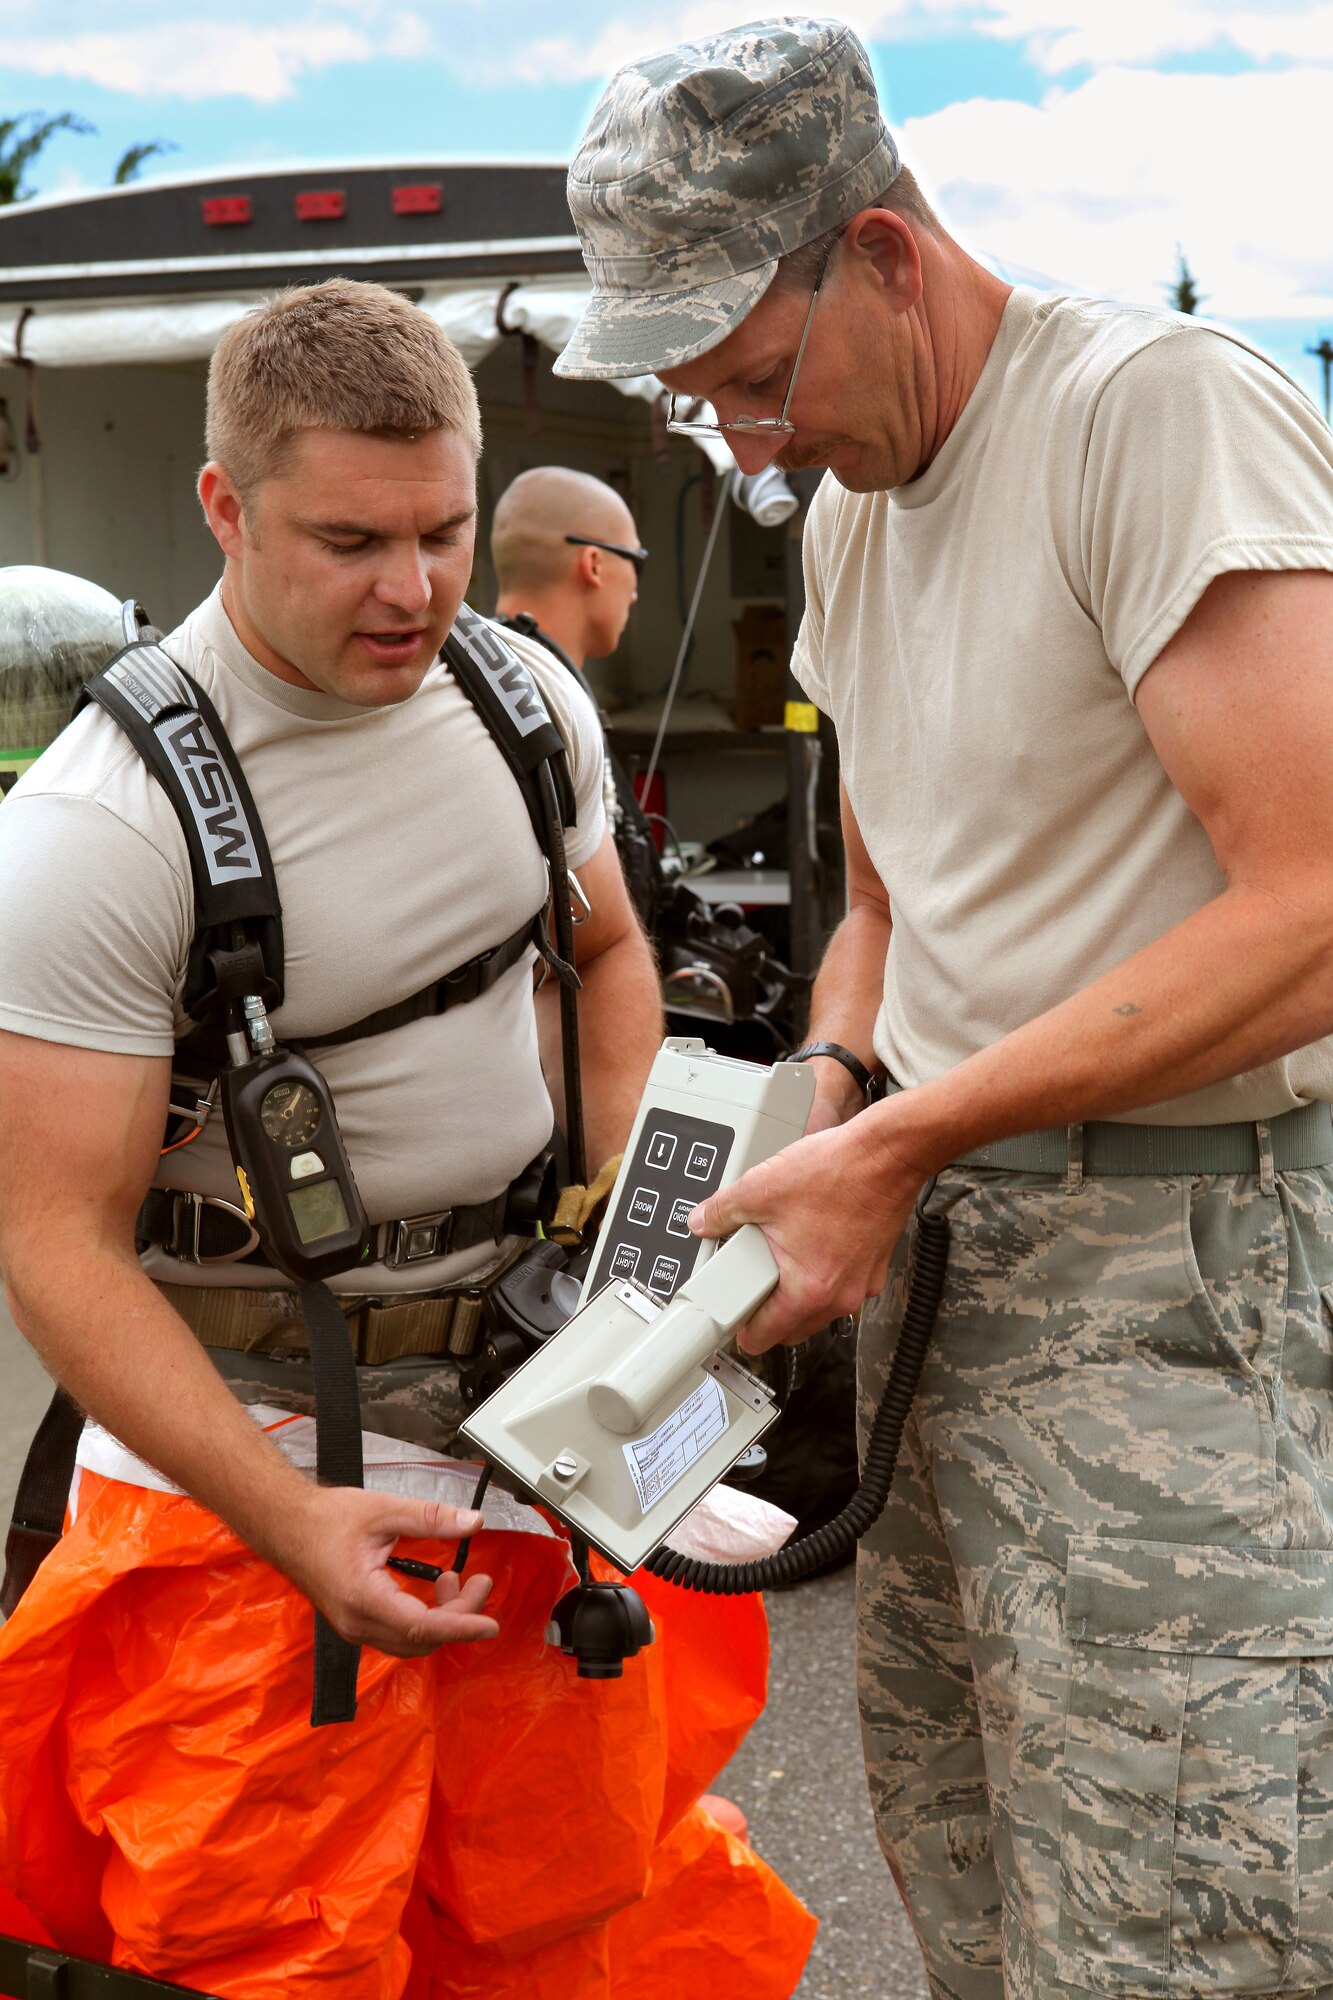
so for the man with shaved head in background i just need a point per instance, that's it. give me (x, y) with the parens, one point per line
(567, 560)
(567, 554)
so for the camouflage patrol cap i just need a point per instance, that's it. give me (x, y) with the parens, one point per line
(701, 168)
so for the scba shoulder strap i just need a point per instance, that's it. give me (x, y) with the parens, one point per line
(506, 697)
(176, 730)
(509, 702)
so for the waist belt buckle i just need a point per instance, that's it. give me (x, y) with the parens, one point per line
(187, 1227)
(417, 1237)
(464, 984)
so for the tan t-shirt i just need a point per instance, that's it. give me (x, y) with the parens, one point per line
(402, 848)
(977, 637)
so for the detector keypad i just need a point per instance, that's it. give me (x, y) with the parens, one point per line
(677, 1163)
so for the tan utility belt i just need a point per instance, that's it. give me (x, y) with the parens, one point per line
(382, 1329)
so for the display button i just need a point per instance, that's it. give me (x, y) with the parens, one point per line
(642, 1206)
(700, 1161)
(678, 1223)
(625, 1261)
(661, 1151)
(306, 1164)
(665, 1273)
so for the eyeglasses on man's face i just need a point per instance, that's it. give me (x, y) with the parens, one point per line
(779, 426)
(636, 556)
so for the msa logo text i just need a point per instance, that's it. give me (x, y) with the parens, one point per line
(509, 678)
(520, 696)
(217, 811)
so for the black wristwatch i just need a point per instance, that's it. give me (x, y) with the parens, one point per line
(853, 1065)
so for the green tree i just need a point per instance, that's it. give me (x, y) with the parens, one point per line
(22, 139)
(130, 161)
(1184, 296)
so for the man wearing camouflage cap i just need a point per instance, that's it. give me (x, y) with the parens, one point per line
(1070, 611)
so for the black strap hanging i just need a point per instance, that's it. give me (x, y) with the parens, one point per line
(43, 1495)
(338, 1462)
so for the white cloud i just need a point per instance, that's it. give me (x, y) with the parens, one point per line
(1062, 34)
(1098, 184)
(1058, 35)
(177, 46)
(263, 47)
(215, 57)
(199, 59)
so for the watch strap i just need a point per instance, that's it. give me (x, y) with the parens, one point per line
(853, 1065)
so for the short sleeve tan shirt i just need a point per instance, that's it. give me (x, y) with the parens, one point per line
(978, 636)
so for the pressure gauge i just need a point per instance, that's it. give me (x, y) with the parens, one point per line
(291, 1112)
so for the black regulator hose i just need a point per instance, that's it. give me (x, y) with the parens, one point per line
(564, 944)
(812, 1552)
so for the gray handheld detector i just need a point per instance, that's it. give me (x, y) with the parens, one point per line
(628, 1416)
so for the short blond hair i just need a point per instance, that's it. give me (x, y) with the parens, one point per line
(340, 356)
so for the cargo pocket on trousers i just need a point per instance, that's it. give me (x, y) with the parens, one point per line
(1181, 1841)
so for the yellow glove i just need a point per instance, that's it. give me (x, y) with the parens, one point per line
(576, 1213)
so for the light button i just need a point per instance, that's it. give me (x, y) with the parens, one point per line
(306, 1164)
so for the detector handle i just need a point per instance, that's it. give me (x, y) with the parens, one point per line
(700, 1319)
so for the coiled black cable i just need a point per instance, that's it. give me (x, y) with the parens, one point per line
(811, 1552)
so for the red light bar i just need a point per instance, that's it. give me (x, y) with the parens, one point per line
(418, 198)
(224, 211)
(321, 205)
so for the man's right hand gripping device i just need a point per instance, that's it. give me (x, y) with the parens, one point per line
(627, 1417)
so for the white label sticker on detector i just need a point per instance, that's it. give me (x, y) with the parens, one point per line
(659, 1461)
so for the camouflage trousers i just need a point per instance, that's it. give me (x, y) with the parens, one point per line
(1095, 1622)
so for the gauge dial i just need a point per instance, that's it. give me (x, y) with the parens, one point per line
(291, 1114)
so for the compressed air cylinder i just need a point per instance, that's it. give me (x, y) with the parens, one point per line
(56, 630)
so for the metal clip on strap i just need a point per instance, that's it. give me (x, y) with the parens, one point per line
(195, 1235)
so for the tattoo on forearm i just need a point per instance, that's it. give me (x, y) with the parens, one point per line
(1127, 1007)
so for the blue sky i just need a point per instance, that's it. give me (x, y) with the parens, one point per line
(1083, 139)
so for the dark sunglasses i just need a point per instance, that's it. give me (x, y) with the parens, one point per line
(637, 556)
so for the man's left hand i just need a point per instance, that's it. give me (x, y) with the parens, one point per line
(832, 1207)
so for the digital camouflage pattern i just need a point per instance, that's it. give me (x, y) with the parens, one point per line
(1096, 1618)
(419, 1399)
(704, 165)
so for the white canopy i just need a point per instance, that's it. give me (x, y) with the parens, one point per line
(69, 335)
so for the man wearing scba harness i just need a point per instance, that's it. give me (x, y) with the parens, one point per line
(163, 1799)
(1068, 606)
